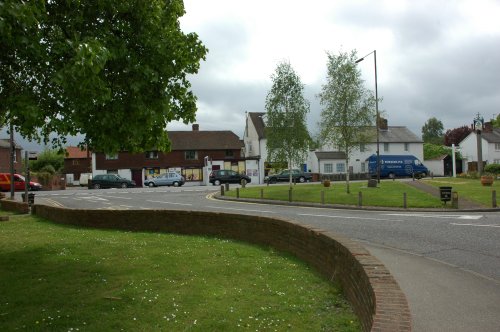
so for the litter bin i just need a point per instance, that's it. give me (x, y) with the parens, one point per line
(31, 198)
(445, 194)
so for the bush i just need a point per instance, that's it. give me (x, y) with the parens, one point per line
(493, 169)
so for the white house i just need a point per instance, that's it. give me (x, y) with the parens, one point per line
(255, 142)
(393, 140)
(490, 146)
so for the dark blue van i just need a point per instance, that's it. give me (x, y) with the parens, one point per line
(397, 165)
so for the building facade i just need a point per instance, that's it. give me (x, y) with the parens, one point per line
(192, 152)
(5, 157)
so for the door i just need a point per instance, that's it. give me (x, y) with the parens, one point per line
(137, 177)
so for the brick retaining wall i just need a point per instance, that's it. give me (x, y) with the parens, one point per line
(374, 294)
(14, 206)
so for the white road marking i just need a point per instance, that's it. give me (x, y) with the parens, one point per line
(93, 198)
(440, 216)
(474, 225)
(172, 203)
(345, 217)
(235, 209)
(118, 197)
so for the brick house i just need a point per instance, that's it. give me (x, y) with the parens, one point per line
(76, 163)
(5, 157)
(190, 152)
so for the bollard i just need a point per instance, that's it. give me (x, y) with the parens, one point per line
(237, 192)
(227, 186)
(360, 199)
(405, 202)
(413, 175)
(289, 195)
(494, 198)
(262, 194)
(322, 197)
(454, 200)
(243, 183)
(222, 190)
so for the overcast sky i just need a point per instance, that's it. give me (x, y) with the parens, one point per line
(435, 58)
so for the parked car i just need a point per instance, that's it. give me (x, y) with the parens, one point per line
(19, 183)
(284, 176)
(110, 181)
(227, 176)
(166, 179)
(397, 165)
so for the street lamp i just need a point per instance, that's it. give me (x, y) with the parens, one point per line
(376, 109)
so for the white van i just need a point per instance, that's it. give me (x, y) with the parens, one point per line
(84, 179)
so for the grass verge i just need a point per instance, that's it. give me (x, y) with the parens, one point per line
(56, 277)
(471, 189)
(388, 194)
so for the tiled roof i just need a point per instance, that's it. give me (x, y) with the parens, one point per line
(204, 140)
(74, 152)
(398, 134)
(5, 143)
(258, 123)
(492, 136)
(330, 155)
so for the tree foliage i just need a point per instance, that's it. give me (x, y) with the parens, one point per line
(286, 110)
(112, 70)
(348, 108)
(50, 161)
(432, 131)
(456, 135)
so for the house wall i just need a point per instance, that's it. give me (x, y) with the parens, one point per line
(435, 166)
(5, 161)
(468, 149)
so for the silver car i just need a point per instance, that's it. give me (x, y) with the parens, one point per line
(166, 179)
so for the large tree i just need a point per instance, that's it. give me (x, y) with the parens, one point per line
(432, 131)
(456, 135)
(112, 70)
(348, 108)
(286, 109)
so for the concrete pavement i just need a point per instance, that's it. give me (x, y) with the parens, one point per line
(443, 297)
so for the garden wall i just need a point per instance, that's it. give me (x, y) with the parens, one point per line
(14, 206)
(374, 294)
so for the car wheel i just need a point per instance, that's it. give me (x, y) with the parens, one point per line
(123, 185)
(302, 179)
(151, 184)
(217, 183)
(176, 184)
(96, 186)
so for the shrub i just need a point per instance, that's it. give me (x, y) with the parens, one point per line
(492, 168)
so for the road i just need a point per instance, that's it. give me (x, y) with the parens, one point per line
(448, 264)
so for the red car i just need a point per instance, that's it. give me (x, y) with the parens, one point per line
(19, 183)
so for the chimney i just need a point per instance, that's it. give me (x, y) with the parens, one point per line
(488, 127)
(196, 127)
(382, 124)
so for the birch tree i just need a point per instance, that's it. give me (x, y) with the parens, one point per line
(286, 110)
(348, 113)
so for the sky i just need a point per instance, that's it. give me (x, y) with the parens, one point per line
(435, 58)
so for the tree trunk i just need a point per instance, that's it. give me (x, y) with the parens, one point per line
(347, 175)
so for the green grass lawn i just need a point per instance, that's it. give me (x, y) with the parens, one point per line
(61, 278)
(468, 188)
(388, 194)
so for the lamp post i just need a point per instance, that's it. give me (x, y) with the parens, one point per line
(376, 109)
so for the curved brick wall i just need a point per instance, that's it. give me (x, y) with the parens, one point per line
(374, 294)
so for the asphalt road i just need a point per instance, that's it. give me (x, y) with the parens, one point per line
(448, 264)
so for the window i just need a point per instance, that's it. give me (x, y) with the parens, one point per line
(497, 146)
(151, 154)
(407, 146)
(496, 161)
(386, 147)
(363, 167)
(340, 168)
(75, 162)
(328, 168)
(191, 155)
(111, 156)
(362, 147)
(250, 150)
(229, 153)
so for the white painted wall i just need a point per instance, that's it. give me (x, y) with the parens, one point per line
(435, 166)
